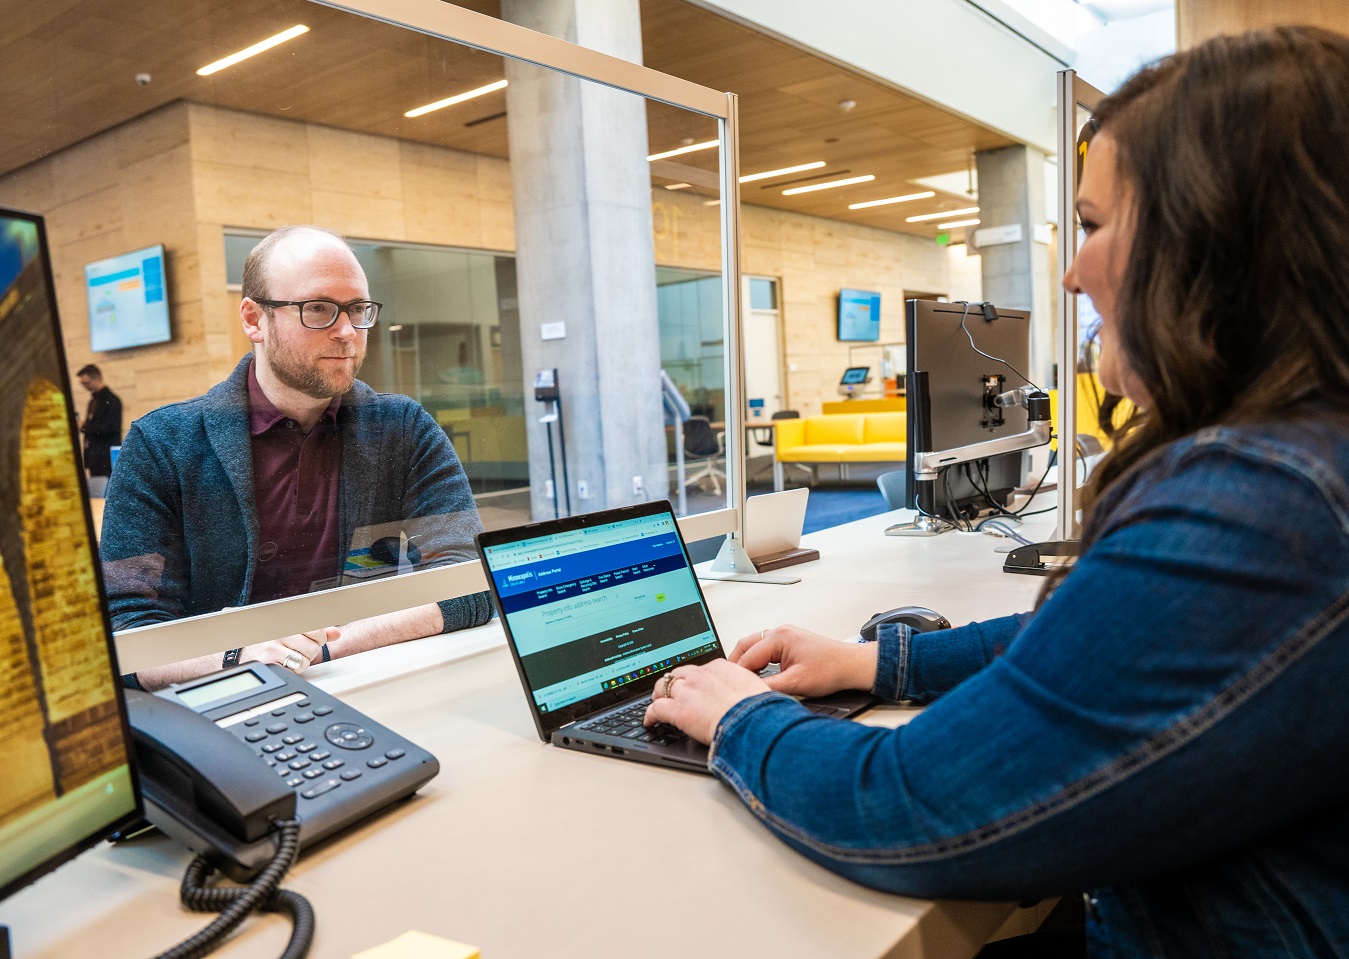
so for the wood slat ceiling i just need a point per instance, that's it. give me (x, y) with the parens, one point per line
(67, 72)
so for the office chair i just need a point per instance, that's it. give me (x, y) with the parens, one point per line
(701, 442)
(894, 488)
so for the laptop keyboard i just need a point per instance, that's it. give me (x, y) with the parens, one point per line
(627, 723)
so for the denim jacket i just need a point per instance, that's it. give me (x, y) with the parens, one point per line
(1169, 731)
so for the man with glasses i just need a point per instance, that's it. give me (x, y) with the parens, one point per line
(255, 490)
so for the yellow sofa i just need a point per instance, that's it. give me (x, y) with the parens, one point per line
(839, 438)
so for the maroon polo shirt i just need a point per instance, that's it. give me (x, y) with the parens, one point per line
(295, 487)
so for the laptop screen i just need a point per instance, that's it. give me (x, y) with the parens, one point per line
(595, 607)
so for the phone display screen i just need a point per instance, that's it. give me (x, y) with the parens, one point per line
(226, 688)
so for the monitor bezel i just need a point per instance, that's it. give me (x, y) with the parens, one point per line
(137, 812)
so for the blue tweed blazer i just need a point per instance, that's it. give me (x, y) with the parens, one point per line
(180, 529)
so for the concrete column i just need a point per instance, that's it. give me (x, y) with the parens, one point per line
(585, 259)
(1017, 274)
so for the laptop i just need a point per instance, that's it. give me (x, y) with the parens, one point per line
(596, 609)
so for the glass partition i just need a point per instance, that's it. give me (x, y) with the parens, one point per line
(541, 246)
(1079, 320)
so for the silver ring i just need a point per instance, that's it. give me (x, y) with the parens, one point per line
(761, 633)
(293, 661)
(670, 679)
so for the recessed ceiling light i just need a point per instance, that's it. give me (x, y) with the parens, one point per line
(678, 186)
(938, 216)
(829, 185)
(459, 98)
(892, 199)
(750, 178)
(955, 223)
(691, 148)
(253, 51)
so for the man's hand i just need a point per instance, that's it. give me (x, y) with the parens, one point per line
(700, 695)
(309, 645)
(812, 665)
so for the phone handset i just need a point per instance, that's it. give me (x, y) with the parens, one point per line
(238, 803)
(204, 778)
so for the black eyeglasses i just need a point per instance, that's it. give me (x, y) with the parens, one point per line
(321, 314)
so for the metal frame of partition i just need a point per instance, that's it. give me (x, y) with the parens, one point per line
(196, 636)
(1073, 92)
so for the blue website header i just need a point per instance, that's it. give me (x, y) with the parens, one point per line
(556, 570)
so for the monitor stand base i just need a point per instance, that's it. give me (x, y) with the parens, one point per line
(920, 526)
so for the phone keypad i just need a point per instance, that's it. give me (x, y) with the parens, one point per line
(308, 767)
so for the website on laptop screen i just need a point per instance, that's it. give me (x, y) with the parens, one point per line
(593, 609)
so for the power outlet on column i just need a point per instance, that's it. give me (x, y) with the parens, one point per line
(637, 488)
(548, 489)
(582, 489)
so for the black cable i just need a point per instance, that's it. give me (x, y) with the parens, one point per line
(562, 455)
(996, 359)
(918, 504)
(235, 905)
(552, 466)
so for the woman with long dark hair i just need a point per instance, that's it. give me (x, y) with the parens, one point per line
(1168, 731)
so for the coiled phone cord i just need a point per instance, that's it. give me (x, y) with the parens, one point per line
(234, 905)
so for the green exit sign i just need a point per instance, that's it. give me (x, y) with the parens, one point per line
(943, 239)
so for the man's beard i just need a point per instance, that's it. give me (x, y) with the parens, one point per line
(293, 370)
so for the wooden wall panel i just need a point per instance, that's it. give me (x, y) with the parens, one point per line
(1201, 19)
(121, 191)
(183, 174)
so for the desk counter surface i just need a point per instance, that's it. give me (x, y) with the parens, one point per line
(527, 850)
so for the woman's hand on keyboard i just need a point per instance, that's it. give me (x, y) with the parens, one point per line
(698, 696)
(812, 665)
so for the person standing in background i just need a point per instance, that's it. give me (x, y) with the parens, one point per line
(101, 426)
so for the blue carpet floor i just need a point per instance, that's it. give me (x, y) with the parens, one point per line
(833, 504)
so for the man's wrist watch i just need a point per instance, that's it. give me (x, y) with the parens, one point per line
(231, 658)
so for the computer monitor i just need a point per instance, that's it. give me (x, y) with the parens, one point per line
(854, 376)
(128, 304)
(949, 388)
(859, 315)
(66, 773)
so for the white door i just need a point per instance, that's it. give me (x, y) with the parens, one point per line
(763, 350)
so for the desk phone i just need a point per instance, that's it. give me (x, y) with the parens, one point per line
(224, 756)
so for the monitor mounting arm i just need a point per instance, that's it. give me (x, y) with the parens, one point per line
(1039, 431)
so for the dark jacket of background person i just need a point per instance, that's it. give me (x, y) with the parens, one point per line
(180, 531)
(102, 431)
(1169, 731)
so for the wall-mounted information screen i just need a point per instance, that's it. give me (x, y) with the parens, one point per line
(128, 302)
(859, 315)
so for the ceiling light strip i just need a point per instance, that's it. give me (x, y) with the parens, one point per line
(253, 51)
(460, 98)
(893, 199)
(937, 216)
(829, 185)
(693, 148)
(955, 223)
(750, 178)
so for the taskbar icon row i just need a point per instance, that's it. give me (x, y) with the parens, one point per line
(660, 666)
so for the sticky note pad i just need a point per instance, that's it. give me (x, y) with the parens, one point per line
(420, 945)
